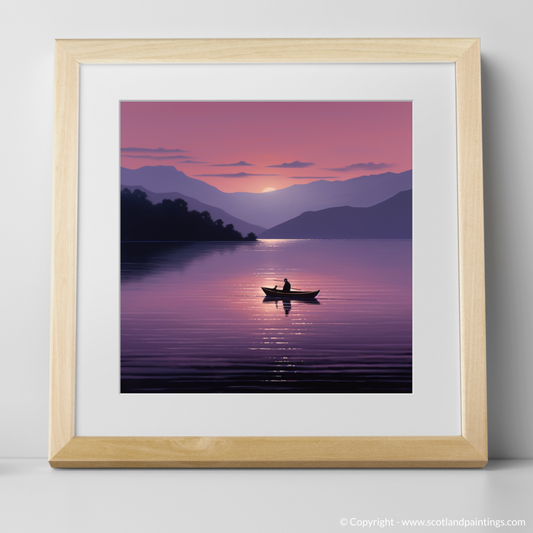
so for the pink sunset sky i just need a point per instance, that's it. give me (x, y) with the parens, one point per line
(252, 146)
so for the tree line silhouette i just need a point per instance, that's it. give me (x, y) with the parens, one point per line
(171, 220)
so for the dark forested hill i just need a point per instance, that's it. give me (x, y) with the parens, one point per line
(194, 204)
(170, 220)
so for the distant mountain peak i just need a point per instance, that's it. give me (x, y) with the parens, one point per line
(165, 178)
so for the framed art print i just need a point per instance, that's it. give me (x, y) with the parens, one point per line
(280, 256)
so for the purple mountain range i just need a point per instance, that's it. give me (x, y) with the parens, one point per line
(273, 208)
(391, 219)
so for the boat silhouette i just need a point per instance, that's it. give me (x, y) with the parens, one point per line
(291, 295)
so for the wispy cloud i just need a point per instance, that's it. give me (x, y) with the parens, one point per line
(239, 164)
(149, 150)
(158, 157)
(361, 166)
(193, 162)
(313, 177)
(237, 175)
(294, 164)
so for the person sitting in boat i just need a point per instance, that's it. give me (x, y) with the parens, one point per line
(286, 286)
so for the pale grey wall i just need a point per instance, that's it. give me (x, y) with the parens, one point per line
(27, 30)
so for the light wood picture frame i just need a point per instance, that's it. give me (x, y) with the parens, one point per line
(66, 450)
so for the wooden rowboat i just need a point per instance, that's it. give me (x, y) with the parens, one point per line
(274, 293)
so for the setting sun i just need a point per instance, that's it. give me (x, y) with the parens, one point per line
(269, 189)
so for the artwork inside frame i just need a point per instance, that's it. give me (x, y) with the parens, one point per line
(223, 204)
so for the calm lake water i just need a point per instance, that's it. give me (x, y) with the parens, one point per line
(194, 318)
